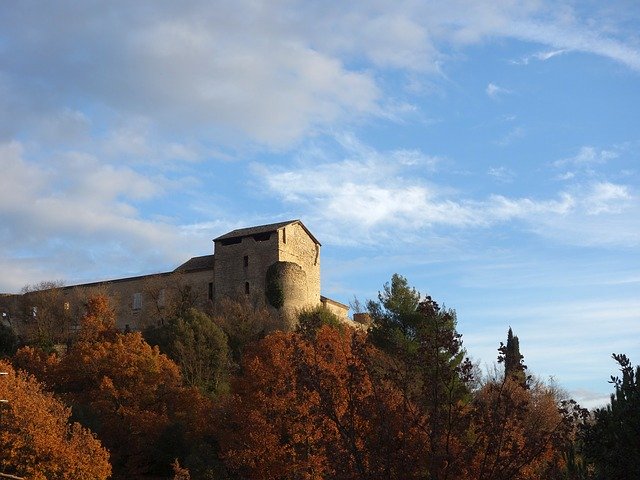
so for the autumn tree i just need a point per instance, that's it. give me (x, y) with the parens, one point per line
(129, 393)
(519, 432)
(37, 441)
(428, 364)
(611, 441)
(306, 407)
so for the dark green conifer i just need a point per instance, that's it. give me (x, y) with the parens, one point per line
(512, 358)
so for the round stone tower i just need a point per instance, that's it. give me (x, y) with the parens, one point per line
(286, 290)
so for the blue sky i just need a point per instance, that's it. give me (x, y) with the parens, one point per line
(488, 151)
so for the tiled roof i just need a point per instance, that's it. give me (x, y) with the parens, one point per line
(197, 263)
(272, 227)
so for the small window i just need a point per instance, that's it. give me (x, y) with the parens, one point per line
(137, 301)
(66, 306)
(284, 235)
(210, 296)
(246, 261)
(246, 288)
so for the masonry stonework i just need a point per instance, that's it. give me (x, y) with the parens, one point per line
(238, 268)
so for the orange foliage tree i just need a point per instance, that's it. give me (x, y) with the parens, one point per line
(37, 441)
(129, 393)
(308, 408)
(519, 432)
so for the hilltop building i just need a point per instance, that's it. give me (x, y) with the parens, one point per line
(276, 264)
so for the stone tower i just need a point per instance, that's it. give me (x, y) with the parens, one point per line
(279, 260)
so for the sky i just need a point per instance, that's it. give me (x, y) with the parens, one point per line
(487, 151)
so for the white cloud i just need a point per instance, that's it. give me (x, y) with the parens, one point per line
(378, 193)
(242, 70)
(542, 56)
(549, 54)
(606, 197)
(587, 156)
(494, 91)
(502, 174)
(56, 212)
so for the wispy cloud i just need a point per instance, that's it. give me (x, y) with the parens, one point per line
(494, 91)
(587, 155)
(377, 193)
(501, 174)
(512, 135)
(542, 56)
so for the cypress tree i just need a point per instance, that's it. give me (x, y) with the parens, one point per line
(512, 358)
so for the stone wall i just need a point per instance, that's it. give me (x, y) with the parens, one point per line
(241, 267)
(158, 296)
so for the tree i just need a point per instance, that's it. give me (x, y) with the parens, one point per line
(519, 432)
(306, 406)
(611, 441)
(128, 392)
(37, 441)
(428, 364)
(244, 323)
(45, 321)
(512, 358)
(8, 341)
(200, 349)
(312, 319)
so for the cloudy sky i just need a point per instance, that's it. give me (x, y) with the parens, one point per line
(488, 151)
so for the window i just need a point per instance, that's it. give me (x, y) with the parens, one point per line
(284, 235)
(137, 301)
(262, 237)
(210, 296)
(66, 306)
(246, 261)
(231, 241)
(246, 288)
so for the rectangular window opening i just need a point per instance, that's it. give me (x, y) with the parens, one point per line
(210, 294)
(262, 237)
(137, 301)
(231, 241)
(246, 261)
(246, 288)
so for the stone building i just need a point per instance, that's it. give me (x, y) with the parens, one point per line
(276, 264)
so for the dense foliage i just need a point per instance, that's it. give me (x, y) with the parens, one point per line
(224, 395)
(612, 440)
(37, 440)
